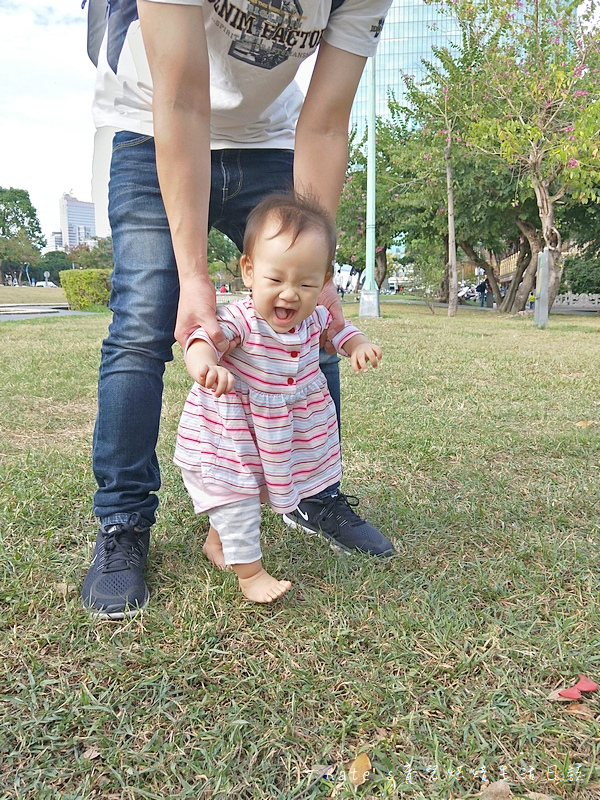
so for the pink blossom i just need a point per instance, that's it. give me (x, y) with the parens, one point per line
(573, 163)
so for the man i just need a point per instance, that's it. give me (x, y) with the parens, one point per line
(210, 122)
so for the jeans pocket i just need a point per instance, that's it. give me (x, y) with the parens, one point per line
(123, 139)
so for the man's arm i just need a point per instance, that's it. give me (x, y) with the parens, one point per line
(175, 44)
(321, 150)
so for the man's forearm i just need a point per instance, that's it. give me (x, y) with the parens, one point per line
(321, 149)
(183, 164)
(320, 161)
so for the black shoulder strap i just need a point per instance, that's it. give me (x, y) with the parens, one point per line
(118, 16)
(335, 4)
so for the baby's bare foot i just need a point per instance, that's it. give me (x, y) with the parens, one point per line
(213, 549)
(262, 587)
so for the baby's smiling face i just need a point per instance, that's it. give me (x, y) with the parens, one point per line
(286, 279)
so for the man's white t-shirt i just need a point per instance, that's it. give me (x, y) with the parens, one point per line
(255, 49)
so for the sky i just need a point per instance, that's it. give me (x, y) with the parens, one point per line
(46, 88)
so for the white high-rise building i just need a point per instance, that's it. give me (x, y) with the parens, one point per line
(411, 30)
(77, 221)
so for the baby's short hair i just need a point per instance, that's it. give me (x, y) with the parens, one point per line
(295, 213)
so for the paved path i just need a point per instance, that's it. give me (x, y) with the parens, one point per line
(10, 313)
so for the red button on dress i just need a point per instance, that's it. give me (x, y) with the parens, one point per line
(292, 330)
(294, 354)
(290, 381)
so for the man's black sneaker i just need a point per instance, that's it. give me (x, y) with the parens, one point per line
(114, 587)
(334, 518)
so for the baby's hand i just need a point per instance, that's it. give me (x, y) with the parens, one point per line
(215, 377)
(364, 353)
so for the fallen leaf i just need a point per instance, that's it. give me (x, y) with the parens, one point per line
(571, 693)
(359, 770)
(580, 710)
(63, 588)
(538, 796)
(499, 790)
(584, 423)
(555, 696)
(585, 684)
(91, 753)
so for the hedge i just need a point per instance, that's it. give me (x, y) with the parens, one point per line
(86, 288)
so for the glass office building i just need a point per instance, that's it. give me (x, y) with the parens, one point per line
(411, 29)
(77, 221)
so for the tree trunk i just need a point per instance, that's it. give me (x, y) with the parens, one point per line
(469, 250)
(523, 260)
(452, 270)
(551, 236)
(536, 245)
(443, 294)
(380, 266)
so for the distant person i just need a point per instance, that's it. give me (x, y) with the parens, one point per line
(223, 289)
(259, 423)
(482, 290)
(531, 301)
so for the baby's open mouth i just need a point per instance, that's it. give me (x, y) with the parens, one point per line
(284, 314)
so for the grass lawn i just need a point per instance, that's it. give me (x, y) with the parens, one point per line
(26, 295)
(464, 448)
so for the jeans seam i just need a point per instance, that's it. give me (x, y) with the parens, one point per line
(135, 143)
(240, 178)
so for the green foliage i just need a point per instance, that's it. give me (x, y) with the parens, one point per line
(222, 254)
(20, 234)
(539, 110)
(86, 288)
(18, 214)
(96, 256)
(53, 262)
(426, 259)
(582, 273)
(351, 217)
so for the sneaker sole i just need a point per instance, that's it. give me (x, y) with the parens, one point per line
(348, 551)
(126, 613)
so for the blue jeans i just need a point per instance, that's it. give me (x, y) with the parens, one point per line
(144, 297)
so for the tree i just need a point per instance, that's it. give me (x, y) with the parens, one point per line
(538, 108)
(96, 256)
(20, 233)
(484, 188)
(582, 273)
(439, 103)
(351, 217)
(222, 254)
(18, 252)
(53, 262)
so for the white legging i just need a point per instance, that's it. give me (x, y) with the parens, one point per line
(238, 526)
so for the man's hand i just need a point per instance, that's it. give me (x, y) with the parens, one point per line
(197, 309)
(329, 298)
(363, 354)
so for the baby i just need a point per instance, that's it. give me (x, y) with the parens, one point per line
(259, 423)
